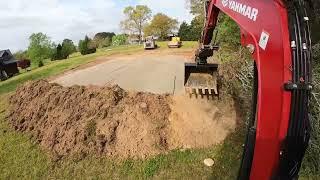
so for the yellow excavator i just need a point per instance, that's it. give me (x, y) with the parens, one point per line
(175, 42)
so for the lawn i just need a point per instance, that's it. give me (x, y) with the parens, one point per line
(185, 44)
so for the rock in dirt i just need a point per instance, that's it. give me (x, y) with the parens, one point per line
(110, 121)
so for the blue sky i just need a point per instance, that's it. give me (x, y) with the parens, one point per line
(71, 19)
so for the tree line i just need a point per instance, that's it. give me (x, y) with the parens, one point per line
(41, 47)
(140, 22)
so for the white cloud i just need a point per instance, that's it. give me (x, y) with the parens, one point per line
(72, 19)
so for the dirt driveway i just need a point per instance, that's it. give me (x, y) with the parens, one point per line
(159, 72)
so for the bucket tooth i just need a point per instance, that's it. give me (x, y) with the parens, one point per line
(203, 91)
(216, 92)
(187, 90)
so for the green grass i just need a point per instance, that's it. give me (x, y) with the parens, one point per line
(185, 44)
(21, 158)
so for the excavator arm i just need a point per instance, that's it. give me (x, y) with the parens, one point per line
(278, 36)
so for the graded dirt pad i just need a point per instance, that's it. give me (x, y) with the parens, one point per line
(113, 122)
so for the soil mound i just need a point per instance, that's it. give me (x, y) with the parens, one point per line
(111, 121)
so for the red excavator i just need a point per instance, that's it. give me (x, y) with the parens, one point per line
(278, 36)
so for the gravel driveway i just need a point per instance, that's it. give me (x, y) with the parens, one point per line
(150, 73)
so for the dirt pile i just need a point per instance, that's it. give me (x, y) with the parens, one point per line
(199, 123)
(111, 121)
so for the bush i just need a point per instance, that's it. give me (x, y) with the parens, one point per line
(87, 46)
(58, 54)
(40, 63)
(106, 42)
(237, 71)
(229, 31)
(312, 160)
(103, 39)
(237, 77)
(21, 55)
(120, 39)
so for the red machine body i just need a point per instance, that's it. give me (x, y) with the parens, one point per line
(265, 30)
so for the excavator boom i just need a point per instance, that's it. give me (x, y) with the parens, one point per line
(277, 34)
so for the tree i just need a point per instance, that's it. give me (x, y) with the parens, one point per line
(106, 42)
(161, 25)
(86, 46)
(103, 35)
(120, 39)
(67, 48)
(191, 32)
(64, 50)
(228, 30)
(184, 31)
(197, 27)
(196, 7)
(40, 48)
(103, 39)
(136, 19)
(20, 55)
(58, 54)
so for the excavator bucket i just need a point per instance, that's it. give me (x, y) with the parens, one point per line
(201, 79)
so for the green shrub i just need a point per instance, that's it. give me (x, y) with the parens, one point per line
(120, 39)
(58, 54)
(87, 46)
(40, 63)
(312, 160)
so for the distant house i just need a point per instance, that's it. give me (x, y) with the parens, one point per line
(8, 64)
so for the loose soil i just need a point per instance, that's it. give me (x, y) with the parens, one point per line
(110, 121)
